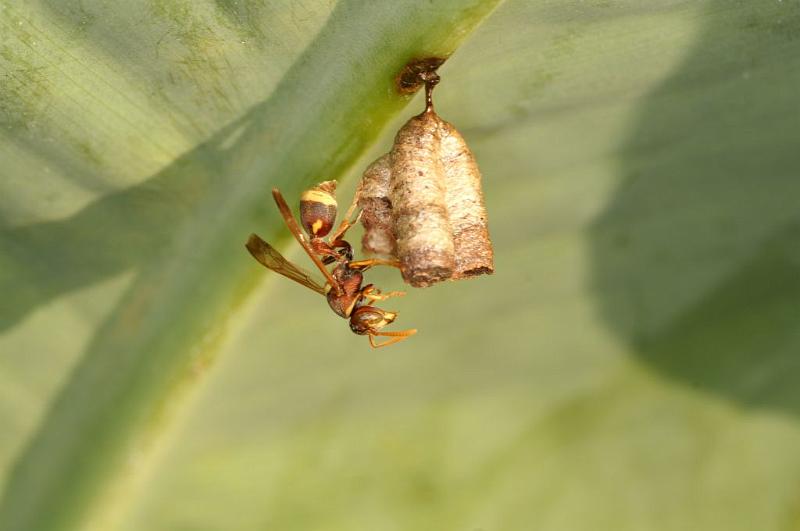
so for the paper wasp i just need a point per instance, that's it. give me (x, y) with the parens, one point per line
(343, 287)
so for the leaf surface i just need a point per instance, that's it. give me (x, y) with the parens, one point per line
(630, 366)
(156, 131)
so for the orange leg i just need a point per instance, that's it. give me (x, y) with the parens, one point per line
(396, 337)
(373, 294)
(369, 262)
(346, 223)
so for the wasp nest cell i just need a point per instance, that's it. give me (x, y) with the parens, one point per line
(466, 209)
(417, 194)
(376, 209)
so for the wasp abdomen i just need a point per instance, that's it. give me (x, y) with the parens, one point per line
(318, 209)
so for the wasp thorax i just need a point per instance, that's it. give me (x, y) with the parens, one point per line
(318, 209)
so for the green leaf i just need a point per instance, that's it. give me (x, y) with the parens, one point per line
(157, 130)
(631, 365)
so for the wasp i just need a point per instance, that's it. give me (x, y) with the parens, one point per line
(344, 289)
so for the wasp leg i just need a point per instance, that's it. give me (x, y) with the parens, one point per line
(373, 294)
(366, 264)
(346, 223)
(378, 296)
(344, 226)
(396, 337)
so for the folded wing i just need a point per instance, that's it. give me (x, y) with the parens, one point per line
(272, 259)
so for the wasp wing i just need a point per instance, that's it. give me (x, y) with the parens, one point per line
(272, 259)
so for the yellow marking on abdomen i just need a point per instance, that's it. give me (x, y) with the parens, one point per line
(318, 196)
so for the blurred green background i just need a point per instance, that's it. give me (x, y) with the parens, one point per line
(633, 364)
